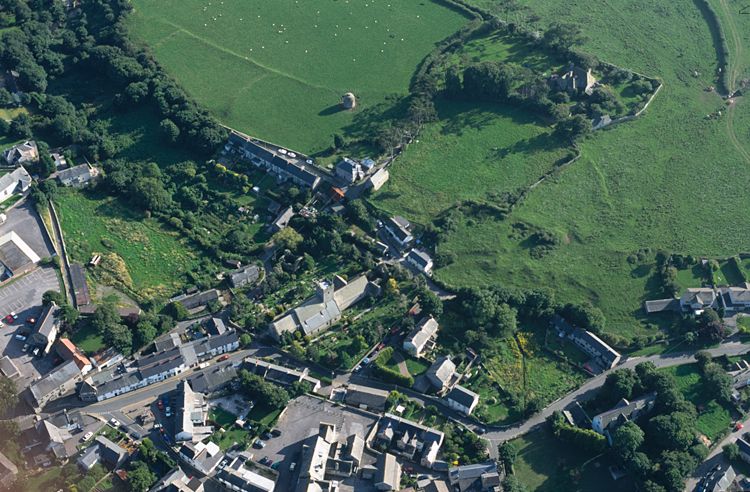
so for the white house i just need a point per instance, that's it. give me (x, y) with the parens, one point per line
(421, 260)
(398, 228)
(23, 152)
(420, 338)
(16, 181)
(462, 399)
(698, 299)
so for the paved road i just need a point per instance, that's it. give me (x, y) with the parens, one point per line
(589, 389)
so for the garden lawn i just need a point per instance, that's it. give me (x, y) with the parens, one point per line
(226, 439)
(693, 276)
(544, 463)
(713, 418)
(221, 417)
(156, 258)
(265, 67)
(87, 339)
(472, 151)
(263, 414)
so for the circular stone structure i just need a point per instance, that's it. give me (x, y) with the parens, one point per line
(348, 101)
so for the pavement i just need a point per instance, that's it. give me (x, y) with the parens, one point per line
(26, 223)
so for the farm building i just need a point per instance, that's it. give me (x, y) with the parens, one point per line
(378, 179)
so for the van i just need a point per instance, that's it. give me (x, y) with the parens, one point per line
(292, 466)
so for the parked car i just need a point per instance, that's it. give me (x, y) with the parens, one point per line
(114, 422)
(13, 315)
(21, 337)
(265, 461)
(259, 444)
(168, 412)
(9, 319)
(25, 347)
(292, 466)
(31, 320)
(223, 358)
(36, 352)
(267, 436)
(276, 432)
(87, 436)
(2, 325)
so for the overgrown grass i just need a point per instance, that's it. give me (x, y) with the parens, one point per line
(87, 339)
(264, 67)
(221, 417)
(155, 258)
(713, 418)
(544, 465)
(473, 150)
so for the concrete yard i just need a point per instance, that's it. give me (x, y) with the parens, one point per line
(26, 223)
(24, 297)
(299, 421)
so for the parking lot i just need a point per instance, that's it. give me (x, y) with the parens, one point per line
(299, 421)
(24, 297)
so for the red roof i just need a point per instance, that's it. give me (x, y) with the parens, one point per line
(69, 351)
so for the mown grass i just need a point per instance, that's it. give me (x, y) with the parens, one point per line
(221, 417)
(266, 67)
(472, 151)
(156, 258)
(87, 339)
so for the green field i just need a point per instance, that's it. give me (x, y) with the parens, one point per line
(469, 153)
(636, 185)
(278, 69)
(155, 258)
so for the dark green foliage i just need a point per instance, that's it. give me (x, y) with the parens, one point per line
(387, 374)
(576, 436)
(260, 390)
(140, 477)
(574, 128)
(8, 394)
(731, 451)
(507, 453)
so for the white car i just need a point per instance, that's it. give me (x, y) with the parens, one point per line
(114, 423)
(87, 436)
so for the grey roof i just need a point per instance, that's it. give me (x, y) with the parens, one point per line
(364, 395)
(210, 343)
(168, 341)
(22, 152)
(177, 481)
(80, 285)
(702, 295)
(89, 457)
(245, 275)
(216, 326)
(8, 368)
(124, 381)
(389, 471)
(743, 445)
(442, 370)
(739, 294)
(19, 177)
(237, 475)
(468, 476)
(398, 229)
(51, 383)
(213, 379)
(603, 350)
(721, 480)
(425, 329)
(462, 395)
(43, 329)
(296, 170)
(624, 410)
(110, 452)
(167, 360)
(282, 220)
(80, 173)
(198, 299)
(251, 147)
(420, 257)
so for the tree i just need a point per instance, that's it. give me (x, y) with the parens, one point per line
(120, 337)
(287, 238)
(68, 314)
(574, 128)
(140, 476)
(430, 303)
(52, 296)
(507, 453)
(620, 384)
(246, 339)
(563, 36)
(150, 194)
(170, 131)
(177, 311)
(718, 382)
(674, 431)
(626, 440)
(8, 394)
(145, 332)
(731, 451)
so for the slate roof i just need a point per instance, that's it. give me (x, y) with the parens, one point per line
(624, 410)
(8, 368)
(237, 475)
(45, 325)
(19, 177)
(441, 370)
(398, 229)
(213, 342)
(426, 329)
(244, 276)
(364, 395)
(216, 326)
(213, 379)
(8, 470)
(80, 285)
(702, 295)
(50, 383)
(79, 174)
(420, 257)
(462, 395)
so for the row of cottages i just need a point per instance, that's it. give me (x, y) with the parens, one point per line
(406, 438)
(325, 308)
(327, 457)
(195, 300)
(284, 165)
(603, 356)
(63, 379)
(158, 366)
(731, 299)
(421, 339)
(606, 422)
(17, 181)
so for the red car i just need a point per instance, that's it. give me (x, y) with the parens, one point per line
(9, 319)
(738, 426)
(223, 358)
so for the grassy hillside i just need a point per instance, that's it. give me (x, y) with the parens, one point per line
(278, 69)
(668, 180)
(469, 153)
